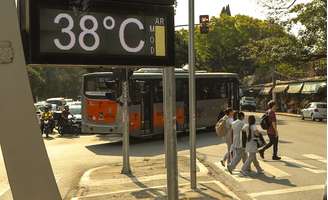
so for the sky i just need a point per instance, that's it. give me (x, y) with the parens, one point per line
(213, 8)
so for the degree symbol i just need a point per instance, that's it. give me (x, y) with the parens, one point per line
(112, 21)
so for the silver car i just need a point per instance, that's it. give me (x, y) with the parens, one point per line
(315, 111)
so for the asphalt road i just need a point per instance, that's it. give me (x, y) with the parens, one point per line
(300, 175)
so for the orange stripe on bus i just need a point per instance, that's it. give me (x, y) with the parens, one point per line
(158, 118)
(135, 121)
(101, 111)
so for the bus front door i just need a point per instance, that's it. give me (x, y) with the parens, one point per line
(146, 109)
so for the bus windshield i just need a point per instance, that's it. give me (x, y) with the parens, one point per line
(101, 87)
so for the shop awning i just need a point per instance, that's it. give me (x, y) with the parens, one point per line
(265, 90)
(312, 87)
(295, 88)
(280, 88)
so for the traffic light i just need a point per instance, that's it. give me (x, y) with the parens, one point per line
(203, 22)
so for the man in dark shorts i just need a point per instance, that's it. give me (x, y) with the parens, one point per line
(272, 132)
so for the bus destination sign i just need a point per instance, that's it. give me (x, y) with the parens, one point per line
(102, 33)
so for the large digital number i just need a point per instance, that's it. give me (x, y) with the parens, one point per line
(122, 39)
(91, 31)
(67, 30)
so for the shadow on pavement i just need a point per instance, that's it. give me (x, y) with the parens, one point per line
(156, 145)
(48, 138)
(272, 179)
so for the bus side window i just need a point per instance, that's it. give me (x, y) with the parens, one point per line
(181, 89)
(135, 92)
(223, 90)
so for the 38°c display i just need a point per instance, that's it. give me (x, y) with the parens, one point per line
(103, 33)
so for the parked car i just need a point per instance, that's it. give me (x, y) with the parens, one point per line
(75, 110)
(315, 110)
(59, 102)
(248, 103)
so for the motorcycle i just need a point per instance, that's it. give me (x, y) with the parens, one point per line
(47, 128)
(70, 126)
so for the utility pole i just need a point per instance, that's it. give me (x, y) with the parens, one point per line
(125, 123)
(192, 96)
(170, 133)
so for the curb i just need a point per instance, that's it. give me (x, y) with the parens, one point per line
(224, 179)
(289, 115)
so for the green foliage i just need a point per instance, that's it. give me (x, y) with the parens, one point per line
(49, 82)
(313, 16)
(244, 45)
(181, 48)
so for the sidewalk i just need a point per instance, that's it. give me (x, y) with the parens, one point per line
(282, 113)
(148, 182)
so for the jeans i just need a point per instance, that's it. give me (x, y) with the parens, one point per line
(273, 141)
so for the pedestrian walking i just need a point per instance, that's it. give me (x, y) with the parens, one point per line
(251, 146)
(272, 132)
(237, 144)
(227, 120)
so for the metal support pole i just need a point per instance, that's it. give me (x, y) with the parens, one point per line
(164, 100)
(170, 133)
(192, 97)
(274, 82)
(125, 123)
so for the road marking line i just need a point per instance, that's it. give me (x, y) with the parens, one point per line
(227, 190)
(136, 189)
(303, 165)
(272, 170)
(285, 191)
(85, 180)
(316, 157)
(266, 167)
(125, 180)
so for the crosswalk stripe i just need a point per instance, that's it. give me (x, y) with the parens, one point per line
(235, 175)
(316, 157)
(266, 167)
(303, 165)
(288, 190)
(272, 170)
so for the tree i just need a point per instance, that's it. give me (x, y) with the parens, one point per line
(225, 10)
(313, 16)
(181, 47)
(276, 9)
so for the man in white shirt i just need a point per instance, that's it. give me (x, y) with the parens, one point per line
(237, 144)
(228, 135)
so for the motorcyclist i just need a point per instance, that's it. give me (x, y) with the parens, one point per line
(46, 115)
(66, 113)
(64, 121)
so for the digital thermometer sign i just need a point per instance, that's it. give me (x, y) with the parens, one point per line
(100, 33)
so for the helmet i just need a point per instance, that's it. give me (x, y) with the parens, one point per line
(66, 107)
(48, 107)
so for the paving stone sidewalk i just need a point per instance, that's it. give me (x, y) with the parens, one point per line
(148, 181)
